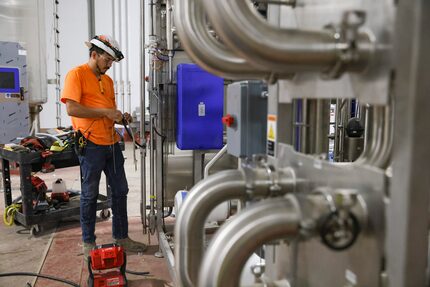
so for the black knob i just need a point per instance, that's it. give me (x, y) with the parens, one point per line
(339, 230)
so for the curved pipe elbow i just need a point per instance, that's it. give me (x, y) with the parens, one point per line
(201, 200)
(228, 252)
(204, 49)
(206, 196)
(283, 50)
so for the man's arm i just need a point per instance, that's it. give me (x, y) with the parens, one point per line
(75, 109)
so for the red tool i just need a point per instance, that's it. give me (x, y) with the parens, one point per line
(103, 257)
(59, 191)
(47, 166)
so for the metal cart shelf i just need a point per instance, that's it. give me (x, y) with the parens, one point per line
(32, 162)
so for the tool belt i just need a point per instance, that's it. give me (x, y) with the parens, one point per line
(80, 143)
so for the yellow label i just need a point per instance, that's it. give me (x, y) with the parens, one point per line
(271, 127)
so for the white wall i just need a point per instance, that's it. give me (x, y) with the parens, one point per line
(73, 52)
(73, 26)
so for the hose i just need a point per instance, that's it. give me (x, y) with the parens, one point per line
(9, 213)
(41, 276)
(144, 273)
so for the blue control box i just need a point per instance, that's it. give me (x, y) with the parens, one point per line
(200, 104)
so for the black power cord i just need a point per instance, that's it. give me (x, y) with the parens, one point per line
(142, 137)
(163, 138)
(144, 273)
(41, 276)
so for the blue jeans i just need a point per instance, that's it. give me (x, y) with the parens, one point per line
(109, 159)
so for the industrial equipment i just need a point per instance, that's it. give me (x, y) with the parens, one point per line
(105, 257)
(323, 180)
(14, 97)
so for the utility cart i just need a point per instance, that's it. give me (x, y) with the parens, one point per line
(33, 161)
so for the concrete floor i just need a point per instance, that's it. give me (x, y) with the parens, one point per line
(58, 250)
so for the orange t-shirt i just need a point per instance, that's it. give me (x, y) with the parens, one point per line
(83, 87)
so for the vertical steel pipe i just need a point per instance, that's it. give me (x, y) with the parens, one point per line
(142, 119)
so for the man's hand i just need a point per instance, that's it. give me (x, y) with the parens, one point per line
(114, 115)
(127, 117)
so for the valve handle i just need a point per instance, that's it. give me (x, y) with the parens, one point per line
(339, 232)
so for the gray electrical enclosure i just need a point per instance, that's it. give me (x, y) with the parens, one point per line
(247, 117)
(14, 110)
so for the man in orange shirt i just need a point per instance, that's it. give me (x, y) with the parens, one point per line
(90, 100)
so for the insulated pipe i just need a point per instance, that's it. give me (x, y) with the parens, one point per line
(280, 49)
(202, 199)
(204, 49)
(234, 243)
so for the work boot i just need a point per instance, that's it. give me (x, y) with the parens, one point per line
(131, 245)
(87, 248)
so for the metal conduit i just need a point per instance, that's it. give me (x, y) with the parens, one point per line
(204, 49)
(236, 240)
(280, 49)
(201, 200)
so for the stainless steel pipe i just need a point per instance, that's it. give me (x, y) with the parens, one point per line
(379, 137)
(142, 120)
(234, 243)
(202, 199)
(279, 49)
(204, 49)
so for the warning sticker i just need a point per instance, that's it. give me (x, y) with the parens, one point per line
(271, 134)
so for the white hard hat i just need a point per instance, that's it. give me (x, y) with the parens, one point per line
(107, 44)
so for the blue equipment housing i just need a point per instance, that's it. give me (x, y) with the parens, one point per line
(200, 104)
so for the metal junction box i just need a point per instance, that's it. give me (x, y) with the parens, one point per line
(14, 110)
(200, 105)
(246, 118)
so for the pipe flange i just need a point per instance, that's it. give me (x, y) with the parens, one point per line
(346, 36)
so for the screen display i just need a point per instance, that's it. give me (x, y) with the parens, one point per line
(9, 80)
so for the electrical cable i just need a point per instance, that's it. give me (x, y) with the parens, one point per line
(124, 122)
(144, 273)
(163, 138)
(9, 213)
(41, 276)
